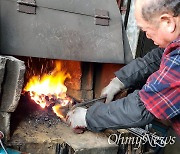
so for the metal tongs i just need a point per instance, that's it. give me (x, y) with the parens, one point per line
(65, 109)
(90, 102)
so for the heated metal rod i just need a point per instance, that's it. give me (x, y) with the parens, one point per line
(88, 102)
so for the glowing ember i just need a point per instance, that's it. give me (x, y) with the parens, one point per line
(50, 89)
(57, 109)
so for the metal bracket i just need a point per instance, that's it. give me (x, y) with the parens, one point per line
(101, 17)
(27, 6)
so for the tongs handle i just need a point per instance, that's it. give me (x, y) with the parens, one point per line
(88, 102)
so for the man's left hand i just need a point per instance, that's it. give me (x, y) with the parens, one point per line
(77, 119)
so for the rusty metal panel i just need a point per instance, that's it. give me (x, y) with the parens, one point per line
(63, 29)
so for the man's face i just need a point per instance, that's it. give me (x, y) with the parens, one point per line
(153, 31)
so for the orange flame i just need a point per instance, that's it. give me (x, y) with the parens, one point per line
(56, 109)
(49, 85)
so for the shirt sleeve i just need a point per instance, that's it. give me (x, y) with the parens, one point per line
(140, 69)
(122, 113)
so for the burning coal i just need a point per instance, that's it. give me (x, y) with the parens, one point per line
(49, 89)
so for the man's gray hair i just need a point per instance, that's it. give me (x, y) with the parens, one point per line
(156, 7)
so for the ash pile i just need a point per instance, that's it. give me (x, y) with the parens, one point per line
(33, 114)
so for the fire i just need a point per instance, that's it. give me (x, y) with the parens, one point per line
(49, 88)
(57, 109)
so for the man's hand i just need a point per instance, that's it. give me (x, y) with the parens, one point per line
(77, 119)
(112, 89)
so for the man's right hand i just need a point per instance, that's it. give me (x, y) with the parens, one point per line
(112, 89)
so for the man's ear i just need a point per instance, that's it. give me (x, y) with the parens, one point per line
(168, 22)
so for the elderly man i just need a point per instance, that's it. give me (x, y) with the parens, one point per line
(160, 96)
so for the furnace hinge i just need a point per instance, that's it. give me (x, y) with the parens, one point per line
(27, 6)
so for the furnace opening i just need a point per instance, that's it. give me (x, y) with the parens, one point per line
(51, 88)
